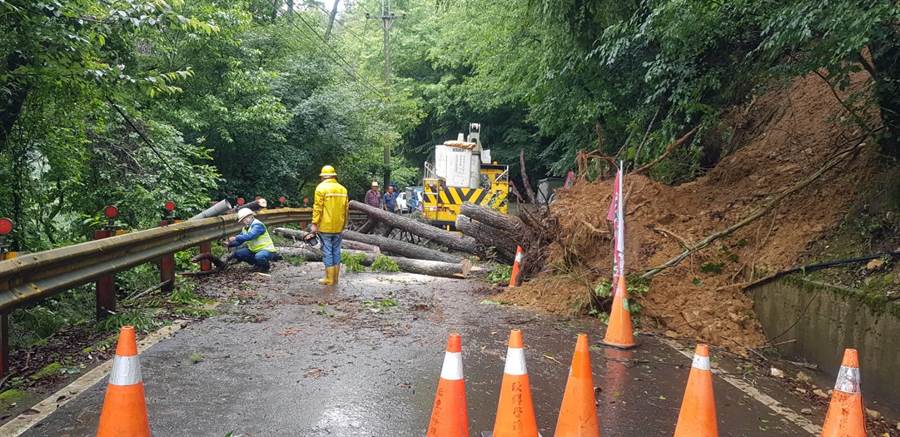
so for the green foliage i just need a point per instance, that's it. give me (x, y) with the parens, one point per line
(185, 294)
(34, 325)
(378, 305)
(385, 264)
(500, 274)
(49, 371)
(353, 262)
(197, 357)
(142, 319)
(603, 289)
(294, 260)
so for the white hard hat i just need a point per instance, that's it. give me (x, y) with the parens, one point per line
(374, 183)
(243, 213)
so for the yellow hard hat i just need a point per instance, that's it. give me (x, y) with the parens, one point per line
(328, 171)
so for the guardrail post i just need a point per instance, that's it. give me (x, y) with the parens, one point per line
(205, 248)
(4, 344)
(105, 285)
(167, 266)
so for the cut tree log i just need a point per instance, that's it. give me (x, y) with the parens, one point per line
(346, 243)
(487, 236)
(510, 224)
(353, 240)
(440, 236)
(417, 266)
(402, 248)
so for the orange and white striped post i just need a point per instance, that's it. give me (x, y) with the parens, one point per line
(697, 417)
(124, 410)
(515, 410)
(514, 276)
(449, 417)
(845, 417)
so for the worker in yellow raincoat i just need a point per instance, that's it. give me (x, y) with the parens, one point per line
(330, 210)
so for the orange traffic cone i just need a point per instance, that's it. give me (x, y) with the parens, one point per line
(578, 413)
(514, 276)
(124, 409)
(845, 417)
(698, 408)
(448, 416)
(515, 411)
(618, 330)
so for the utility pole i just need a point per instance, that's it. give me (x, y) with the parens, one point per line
(387, 20)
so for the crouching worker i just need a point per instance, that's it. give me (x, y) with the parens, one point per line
(330, 208)
(259, 248)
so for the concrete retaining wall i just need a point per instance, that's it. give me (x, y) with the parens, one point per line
(824, 320)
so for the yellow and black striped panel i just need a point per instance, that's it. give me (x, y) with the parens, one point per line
(460, 195)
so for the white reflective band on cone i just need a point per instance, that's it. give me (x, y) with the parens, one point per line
(701, 363)
(848, 380)
(125, 371)
(519, 257)
(515, 362)
(452, 368)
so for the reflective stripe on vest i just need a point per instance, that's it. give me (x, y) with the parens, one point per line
(262, 242)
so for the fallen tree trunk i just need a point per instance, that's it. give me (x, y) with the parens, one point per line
(366, 242)
(402, 248)
(417, 266)
(346, 243)
(510, 224)
(487, 236)
(440, 236)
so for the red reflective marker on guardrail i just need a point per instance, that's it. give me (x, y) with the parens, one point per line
(111, 212)
(6, 226)
(170, 206)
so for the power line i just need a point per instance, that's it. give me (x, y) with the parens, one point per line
(387, 20)
(339, 60)
(343, 24)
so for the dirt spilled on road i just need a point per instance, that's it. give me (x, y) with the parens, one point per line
(779, 140)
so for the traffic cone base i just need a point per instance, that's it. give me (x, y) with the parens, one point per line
(697, 416)
(619, 331)
(578, 412)
(449, 417)
(491, 434)
(846, 417)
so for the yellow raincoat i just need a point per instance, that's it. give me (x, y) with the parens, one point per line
(330, 207)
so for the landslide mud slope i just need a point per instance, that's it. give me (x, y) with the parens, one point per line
(780, 138)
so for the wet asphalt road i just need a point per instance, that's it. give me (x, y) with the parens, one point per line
(286, 357)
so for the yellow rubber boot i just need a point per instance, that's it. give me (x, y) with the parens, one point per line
(336, 274)
(329, 277)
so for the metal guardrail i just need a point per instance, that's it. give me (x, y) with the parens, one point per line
(36, 276)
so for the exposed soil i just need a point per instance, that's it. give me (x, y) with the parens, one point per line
(780, 138)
